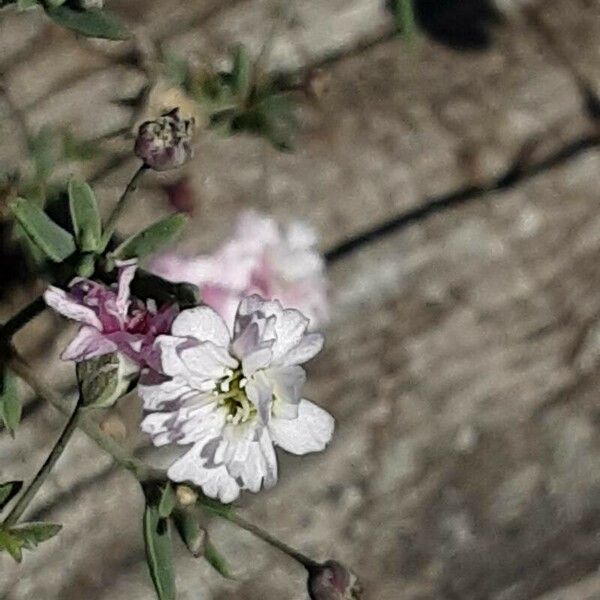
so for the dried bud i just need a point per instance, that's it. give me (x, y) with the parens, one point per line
(317, 83)
(332, 581)
(186, 495)
(166, 143)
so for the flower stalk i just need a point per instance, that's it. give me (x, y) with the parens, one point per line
(24, 500)
(122, 203)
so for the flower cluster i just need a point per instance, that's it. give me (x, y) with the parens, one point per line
(233, 397)
(262, 258)
(111, 321)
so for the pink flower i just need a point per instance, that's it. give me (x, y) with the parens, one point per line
(111, 320)
(277, 262)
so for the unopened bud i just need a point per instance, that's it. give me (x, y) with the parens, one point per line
(186, 495)
(333, 581)
(165, 143)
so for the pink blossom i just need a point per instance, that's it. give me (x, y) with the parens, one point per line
(110, 319)
(263, 257)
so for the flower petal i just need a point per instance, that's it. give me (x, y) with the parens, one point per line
(203, 324)
(88, 343)
(309, 432)
(207, 361)
(197, 466)
(161, 393)
(310, 345)
(68, 306)
(126, 274)
(287, 383)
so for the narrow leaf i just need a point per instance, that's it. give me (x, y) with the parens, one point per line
(10, 403)
(26, 4)
(188, 527)
(8, 491)
(91, 23)
(241, 72)
(34, 533)
(216, 560)
(85, 216)
(56, 243)
(10, 544)
(153, 238)
(167, 502)
(159, 553)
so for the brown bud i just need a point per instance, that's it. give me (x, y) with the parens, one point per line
(165, 143)
(333, 581)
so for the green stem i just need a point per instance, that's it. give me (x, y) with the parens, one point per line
(142, 471)
(109, 227)
(41, 476)
(26, 314)
(230, 516)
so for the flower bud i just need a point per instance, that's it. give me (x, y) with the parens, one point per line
(333, 581)
(166, 143)
(186, 495)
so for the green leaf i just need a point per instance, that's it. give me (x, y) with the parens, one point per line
(152, 239)
(241, 72)
(56, 243)
(75, 149)
(216, 560)
(8, 491)
(25, 536)
(91, 23)
(85, 216)
(10, 403)
(168, 500)
(9, 543)
(34, 533)
(175, 69)
(214, 506)
(26, 4)
(404, 15)
(159, 553)
(188, 526)
(103, 380)
(42, 152)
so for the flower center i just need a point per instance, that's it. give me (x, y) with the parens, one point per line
(230, 394)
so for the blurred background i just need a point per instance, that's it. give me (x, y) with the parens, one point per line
(452, 172)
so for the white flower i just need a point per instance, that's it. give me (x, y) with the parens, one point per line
(234, 397)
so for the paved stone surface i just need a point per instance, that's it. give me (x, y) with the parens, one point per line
(462, 360)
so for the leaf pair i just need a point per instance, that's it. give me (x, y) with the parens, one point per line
(57, 244)
(25, 536)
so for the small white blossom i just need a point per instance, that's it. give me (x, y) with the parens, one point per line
(233, 397)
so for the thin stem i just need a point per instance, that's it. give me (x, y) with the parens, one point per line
(41, 476)
(26, 314)
(142, 471)
(121, 205)
(230, 516)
